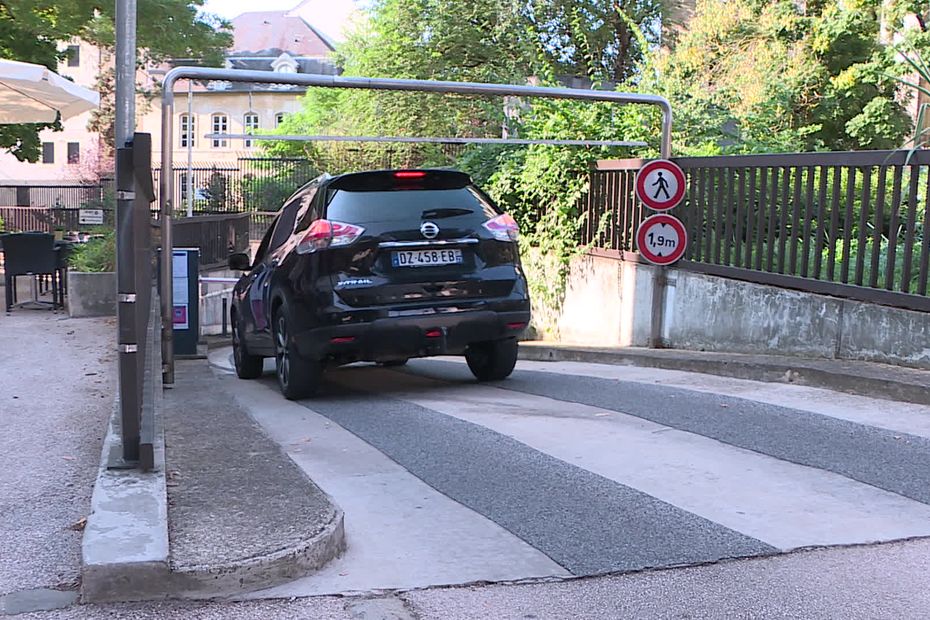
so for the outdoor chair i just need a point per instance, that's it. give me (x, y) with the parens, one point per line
(33, 255)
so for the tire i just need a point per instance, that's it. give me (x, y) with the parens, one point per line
(247, 366)
(298, 377)
(493, 360)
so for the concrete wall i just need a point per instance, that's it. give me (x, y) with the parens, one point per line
(91, 294)
(609, 303)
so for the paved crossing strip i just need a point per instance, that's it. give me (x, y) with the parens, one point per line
(893, 461)
(585, 522)
(783, 504)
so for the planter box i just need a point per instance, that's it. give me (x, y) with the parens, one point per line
(91, 294)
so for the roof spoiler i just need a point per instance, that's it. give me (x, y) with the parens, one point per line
(386, 180)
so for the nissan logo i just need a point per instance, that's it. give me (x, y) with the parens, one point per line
(429, 230)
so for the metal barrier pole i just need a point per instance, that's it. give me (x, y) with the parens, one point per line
(331, 81)
(129, 381)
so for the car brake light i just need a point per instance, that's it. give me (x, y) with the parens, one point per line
(503, 228)
(324, 234)
(409, 174)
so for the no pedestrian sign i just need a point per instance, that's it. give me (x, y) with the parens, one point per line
(661, 239)
(660, 185)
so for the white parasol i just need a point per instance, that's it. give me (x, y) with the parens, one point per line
(34, 94)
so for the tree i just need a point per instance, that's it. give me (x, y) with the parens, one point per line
(768, 76)
(596, 39)
(479, 40)
(31, 29)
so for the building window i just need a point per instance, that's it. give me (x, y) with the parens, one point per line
(250, 122)
(48, 152)
(278, 119)
(74, 55)
(220, 125)
(182, 184)
(188, 128)
(74, 152)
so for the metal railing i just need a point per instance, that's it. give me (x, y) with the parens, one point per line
(54, 195)
(849, 224)
(49, 220)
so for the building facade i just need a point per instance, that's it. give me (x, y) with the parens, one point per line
(281, 41)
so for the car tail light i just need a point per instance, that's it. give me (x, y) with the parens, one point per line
(503, 228)
(409, 174)
(324, 234)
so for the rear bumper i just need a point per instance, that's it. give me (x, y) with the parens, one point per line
(401, 337)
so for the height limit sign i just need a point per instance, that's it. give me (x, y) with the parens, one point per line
(660, 185)
(661, 239)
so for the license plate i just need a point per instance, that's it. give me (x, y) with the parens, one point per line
(426, 258)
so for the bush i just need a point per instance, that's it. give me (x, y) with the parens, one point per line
(97, 255)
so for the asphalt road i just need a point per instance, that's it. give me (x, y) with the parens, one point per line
(587, 491)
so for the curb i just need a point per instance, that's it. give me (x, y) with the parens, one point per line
(125, 548)
(260, 572)
(801, 371)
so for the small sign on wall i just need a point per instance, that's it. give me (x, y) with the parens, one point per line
(90, 217)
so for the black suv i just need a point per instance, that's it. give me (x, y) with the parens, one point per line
(381, 267)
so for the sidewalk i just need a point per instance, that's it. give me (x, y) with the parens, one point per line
(241, 514)
(856, 377)
(224, 512)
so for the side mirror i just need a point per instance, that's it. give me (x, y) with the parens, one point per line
(239, 261)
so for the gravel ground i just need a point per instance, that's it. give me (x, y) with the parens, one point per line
(57, 382)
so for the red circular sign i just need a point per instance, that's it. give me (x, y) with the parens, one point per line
(660, 184)
(661, 239)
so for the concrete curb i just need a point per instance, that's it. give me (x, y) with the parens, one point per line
(890, 383)
(125, 548)
(125, 545)
(265, 571)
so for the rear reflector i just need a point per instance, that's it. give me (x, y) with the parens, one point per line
(409, 174)
(516, 325)
(433, 333)
(342, 339)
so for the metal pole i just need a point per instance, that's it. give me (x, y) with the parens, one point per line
(128, 336)
(166, 196)
(125, 71)
(190, 148)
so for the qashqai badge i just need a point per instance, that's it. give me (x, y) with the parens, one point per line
(429, 230)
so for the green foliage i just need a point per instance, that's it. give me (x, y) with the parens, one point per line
(31, 29)
(765, 76)
(97, 255)
(217, 191)
(603, 41)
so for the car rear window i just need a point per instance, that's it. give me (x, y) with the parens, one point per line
(415, 205)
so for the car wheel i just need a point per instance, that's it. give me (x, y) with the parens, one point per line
(247, 366)
(492, 360)
(298, 377)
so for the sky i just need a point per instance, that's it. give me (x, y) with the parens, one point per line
(232, 8)
(329, 16)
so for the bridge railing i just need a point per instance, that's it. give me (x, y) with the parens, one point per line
(852, 224)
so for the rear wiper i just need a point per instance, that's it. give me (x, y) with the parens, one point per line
(436, 214)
